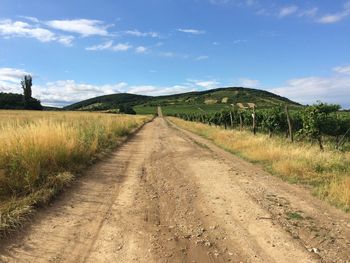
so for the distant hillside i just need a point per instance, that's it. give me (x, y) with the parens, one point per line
(209, 100)
(109, 102)
(15, 101)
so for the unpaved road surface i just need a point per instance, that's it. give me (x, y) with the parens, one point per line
(170, 196)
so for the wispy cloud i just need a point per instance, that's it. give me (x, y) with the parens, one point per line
(199, 58)
(342, 69)
(30, 18)
(109, 45)
(280, 11)
(158, 90)
(10, 29)
(336, 17)
(287, 11)
(167, 54)
(239, 41)
(141, 50)
(206, 84)
(248, 83)
(236, 2)
(219, 2)
(191, 31)
(84, 27)
(138, 33)
(312, 12)
(66, 40)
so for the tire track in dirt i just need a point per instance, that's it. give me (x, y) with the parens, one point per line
(161, 197)
(319, 227)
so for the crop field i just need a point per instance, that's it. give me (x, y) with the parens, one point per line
(42, 151)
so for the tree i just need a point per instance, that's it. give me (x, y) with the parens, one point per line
(127, 109)
(27, 90)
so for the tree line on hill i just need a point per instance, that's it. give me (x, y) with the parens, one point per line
(21, 101)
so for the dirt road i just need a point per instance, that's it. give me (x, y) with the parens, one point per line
(170, 196)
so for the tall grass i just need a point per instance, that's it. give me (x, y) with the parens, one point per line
(40, 152)
(328, 172)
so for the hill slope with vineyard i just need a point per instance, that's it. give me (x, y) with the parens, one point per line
(210, 100)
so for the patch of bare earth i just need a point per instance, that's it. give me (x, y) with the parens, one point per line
(170, 196)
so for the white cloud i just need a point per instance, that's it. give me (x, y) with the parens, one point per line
(342, 70)
(84, 27)
(239, 41)
(66, 40)
(199, 58)
(10, 79)
(9, 29)
(103, 46)
(209, 84)
(248, 83)
(191, 31)
(65, 92)
(12, 74)
(158, 91)
(335, 89)
(121, 47)
(287, 11)
(218, 2)
(167, 54)
(330, 19)
(31, 18)
(138, 33)
(251, 2)
(336, 17)
(141, 50)
(110, 46)
(312, 12)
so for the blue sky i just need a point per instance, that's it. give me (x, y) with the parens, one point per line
(80, 49)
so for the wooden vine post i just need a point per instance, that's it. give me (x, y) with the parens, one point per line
(253, 106)
(241, 107)
(240, 121)
(231, 118)
(290, 127)
(254, 121)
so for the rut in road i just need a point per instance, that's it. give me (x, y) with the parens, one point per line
(162, 197)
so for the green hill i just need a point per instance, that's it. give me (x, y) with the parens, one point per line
(209, 101)
(109, 102)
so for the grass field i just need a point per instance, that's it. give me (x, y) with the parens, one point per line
(327, 172)
(42, 151)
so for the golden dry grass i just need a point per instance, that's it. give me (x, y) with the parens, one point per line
(328, 172)
(40, 152)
